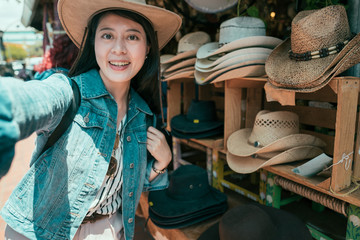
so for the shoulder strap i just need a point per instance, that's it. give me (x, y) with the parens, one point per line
(66, 119)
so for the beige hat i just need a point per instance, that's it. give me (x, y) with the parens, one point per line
(272, 132)
(252, 164)
(189, 44)
(211, 6)
(182, 64)
(320, 40)
(208, 63)
(236, 33)
(164, 58)
(248, 68)
(75, 15)
(187, 72)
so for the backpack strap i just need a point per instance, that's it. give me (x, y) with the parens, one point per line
(66, 119)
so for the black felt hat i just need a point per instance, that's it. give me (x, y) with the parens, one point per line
(188, 199)
(257, 222)
(206, 134)
(200, 117)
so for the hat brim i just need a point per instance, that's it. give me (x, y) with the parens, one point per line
(252, 164)
(201, 135)
(254, 41)
(74, 17)
(180, 65)
(182, 124)
(302, 74)
(248, 69)
(182, 56)
(261, 57)
(185, 73)
(204, 64)
(237, 143)
(166, 206)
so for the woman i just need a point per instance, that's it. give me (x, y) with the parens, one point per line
(88, 185)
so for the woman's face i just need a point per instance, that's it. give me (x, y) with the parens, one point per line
(120, 48)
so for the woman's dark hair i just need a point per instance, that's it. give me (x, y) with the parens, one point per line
(146, 81)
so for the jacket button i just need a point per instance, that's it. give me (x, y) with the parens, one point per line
(131, 165)
(128, 138)
(130, 220)
(131, 194)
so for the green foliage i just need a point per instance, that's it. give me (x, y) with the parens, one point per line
(15, 52)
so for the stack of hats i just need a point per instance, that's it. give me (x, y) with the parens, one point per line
(242, 50)
(274, 139)
(257, 222)
(182, 64)
(189, 199)
(320, 47)
(199, 122)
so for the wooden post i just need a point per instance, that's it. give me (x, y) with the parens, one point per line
(348, 91)
(173, 101)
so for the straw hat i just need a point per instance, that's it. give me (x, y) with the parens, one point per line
(187, 72)
(75, 15)
(272, 132)
(253, 163)
(296, 63)
(188, 45)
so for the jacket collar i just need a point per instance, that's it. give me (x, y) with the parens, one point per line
(92, 86)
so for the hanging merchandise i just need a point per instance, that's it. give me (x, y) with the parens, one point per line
(211, 6)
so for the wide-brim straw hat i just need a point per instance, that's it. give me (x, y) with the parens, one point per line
(314, 31)
(253, 68)
(214, 51)
(75, 15)
(253, 163)
(272, 132)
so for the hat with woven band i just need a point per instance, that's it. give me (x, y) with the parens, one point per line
(188, 45)
(272, 132)
(75, 15)
(319, 40)
(253, 163)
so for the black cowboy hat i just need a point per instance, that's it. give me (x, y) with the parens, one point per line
(200, 118)
(257, 222)
(188, 199)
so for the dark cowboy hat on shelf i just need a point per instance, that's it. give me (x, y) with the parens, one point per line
(200, 121)
(257, 222)
(188, 199)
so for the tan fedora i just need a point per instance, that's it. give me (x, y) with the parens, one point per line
(319, 40)
(164, 58)
(75, 15)
(208, 63)
(272, 132)
(183, 73)
(188, 46)
(253, 163)
(249, 68)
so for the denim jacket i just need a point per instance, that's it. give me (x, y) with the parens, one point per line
(54, 196)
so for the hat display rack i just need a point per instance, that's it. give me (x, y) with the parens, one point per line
(326, 118)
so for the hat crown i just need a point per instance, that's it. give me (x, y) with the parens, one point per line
(188, 182)
(313, 30)
(240, 27)
(193, 41)
(272, 126)
(201, 111)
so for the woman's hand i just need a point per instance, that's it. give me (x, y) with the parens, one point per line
(158, 147)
